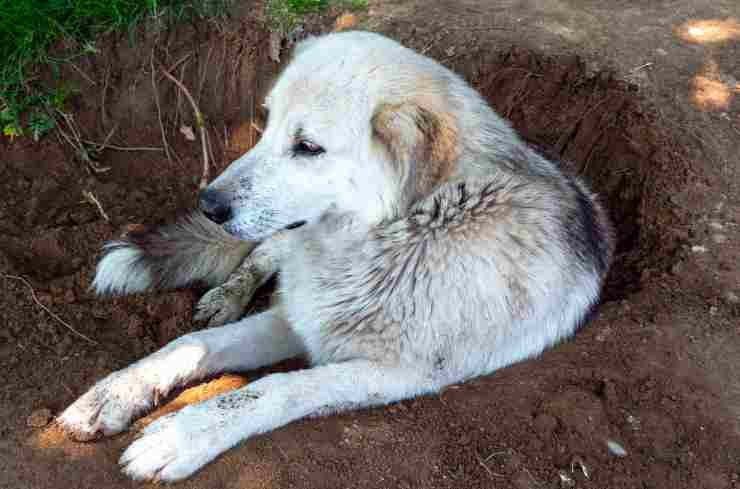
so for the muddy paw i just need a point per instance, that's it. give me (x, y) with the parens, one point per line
(108, 408)
(226, 303)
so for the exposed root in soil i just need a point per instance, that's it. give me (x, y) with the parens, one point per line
(48, 311)
(200, 123)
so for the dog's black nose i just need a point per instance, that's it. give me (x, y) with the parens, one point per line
(215, 206)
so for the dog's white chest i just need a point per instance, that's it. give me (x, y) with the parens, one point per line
(300, 297)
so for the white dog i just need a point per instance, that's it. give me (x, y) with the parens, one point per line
(419, 242)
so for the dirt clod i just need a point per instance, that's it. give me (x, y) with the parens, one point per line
(39, 418)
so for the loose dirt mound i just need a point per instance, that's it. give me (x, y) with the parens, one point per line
(547, 423)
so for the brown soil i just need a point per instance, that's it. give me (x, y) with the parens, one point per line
(653, 372)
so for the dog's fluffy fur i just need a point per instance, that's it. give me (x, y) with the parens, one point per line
(437, 247)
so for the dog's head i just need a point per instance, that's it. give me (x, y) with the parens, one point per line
(357, 123)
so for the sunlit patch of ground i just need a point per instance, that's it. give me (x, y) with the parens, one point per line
(711, 91)
(709, 31)
(53, 437)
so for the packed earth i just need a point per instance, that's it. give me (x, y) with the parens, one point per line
(641, 98)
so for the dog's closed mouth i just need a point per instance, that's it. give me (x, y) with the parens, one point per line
(295, 225)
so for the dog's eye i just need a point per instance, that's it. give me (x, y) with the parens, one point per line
(307, 148)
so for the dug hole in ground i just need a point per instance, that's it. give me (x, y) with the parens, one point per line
(645, 396)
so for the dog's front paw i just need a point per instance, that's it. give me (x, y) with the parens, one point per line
(109, 407)
(175, 446)
(226, 303)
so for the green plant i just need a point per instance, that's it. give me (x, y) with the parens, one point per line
(8, 120)
(38, 107)
(305, 6)
(283, 15)
(28, 28)
(354, 4)
(40, 123)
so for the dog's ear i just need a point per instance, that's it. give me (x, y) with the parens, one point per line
(421, 140)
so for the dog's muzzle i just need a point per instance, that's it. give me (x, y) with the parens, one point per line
(215, 206)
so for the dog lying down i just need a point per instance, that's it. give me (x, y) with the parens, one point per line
(420, 242)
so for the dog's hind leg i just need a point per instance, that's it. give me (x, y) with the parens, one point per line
(176, 445)
(111, 405)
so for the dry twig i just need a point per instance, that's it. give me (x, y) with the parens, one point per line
(165, 144)
(90, 197)
(488, 469)
(106, 80)
(74, 139)
(101, 146)
(201, 127)
(49, 311)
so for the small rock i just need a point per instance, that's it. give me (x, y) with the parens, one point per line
(616, 449)
(719, 238)
(732, 298)
(565, 480)
(39, 418)
(699, 249)
(633, 422)
(661, 52)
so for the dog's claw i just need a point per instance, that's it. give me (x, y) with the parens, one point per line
(224, 304)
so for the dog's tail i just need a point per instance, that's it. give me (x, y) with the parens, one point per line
(193, 249)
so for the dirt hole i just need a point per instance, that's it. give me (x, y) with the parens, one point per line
(598, 128)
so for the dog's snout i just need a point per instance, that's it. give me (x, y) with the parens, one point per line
(215, 206)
